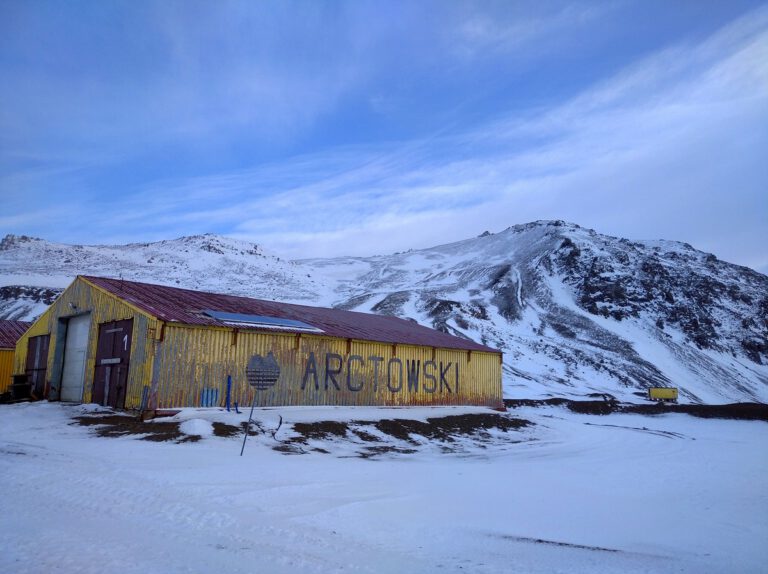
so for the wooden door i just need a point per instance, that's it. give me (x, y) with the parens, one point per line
(37, 364)
(113, 355)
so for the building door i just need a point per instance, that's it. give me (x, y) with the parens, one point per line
(37, 363)
(75, 351)
(113, 355)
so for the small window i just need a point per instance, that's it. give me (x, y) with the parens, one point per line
(262, 321)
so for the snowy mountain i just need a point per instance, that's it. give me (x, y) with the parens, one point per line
(575, 312)
(34, 271)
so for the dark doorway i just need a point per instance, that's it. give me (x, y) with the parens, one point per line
(37, 364)
(113, 355)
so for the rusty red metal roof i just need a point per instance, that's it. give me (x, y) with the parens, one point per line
(188, 307)
(11, 331)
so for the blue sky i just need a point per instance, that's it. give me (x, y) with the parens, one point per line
(318, 129)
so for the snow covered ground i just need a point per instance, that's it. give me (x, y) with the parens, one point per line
(570, 493)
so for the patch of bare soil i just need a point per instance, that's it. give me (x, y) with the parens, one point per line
(117, 425)
(224, 430)
(738, 411)
(374, 438)
(441, 430)
(449, 428)
(321, 430)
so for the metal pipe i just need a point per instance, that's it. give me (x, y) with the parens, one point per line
(229, 390)
(248, 424)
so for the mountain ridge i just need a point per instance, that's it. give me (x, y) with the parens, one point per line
(575, 312)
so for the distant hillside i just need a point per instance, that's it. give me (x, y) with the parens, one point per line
(575, 312)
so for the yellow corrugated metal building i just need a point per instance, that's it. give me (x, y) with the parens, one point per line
(6, 368)
(136, 345)
(10, 331)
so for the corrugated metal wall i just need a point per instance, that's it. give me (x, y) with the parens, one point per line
(82, 297)
(193, 365)
(6, 369)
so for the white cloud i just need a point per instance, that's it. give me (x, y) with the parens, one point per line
(512, 28)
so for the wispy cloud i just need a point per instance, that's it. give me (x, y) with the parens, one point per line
(477, 33)
(197, 73)
(653, 151)
(194, 71)
(667, 146)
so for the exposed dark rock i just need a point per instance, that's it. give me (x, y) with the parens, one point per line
(211, 248)
(507, 292)
(392, 304)
(756, 349)
(15, 300)
(45, 295)
(354, 302)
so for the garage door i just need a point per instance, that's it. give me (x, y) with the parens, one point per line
(75, 351)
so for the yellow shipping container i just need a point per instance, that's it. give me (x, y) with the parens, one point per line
(662, 393)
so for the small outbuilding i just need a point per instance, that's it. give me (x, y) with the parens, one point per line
(142, 346)
(10, 332)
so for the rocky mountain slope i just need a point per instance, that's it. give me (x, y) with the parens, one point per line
(575, 312)
(34, 271)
